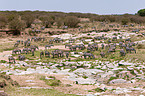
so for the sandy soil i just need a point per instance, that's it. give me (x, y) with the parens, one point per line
(74, 89)
(4, 55)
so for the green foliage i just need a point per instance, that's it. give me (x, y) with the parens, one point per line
(21, 68)
(132, 72)
(51, 82)
(85, 77)
(141, 12)
(88, 34)
(99, 90)
(51, 17)
(71, 21)
(112, 78)
(15, 91)
(115, 34)
(47, 20)
(3, 61)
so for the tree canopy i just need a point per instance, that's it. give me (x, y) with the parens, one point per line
(141, 12)
(16, 24)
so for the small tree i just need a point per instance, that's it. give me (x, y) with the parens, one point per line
(47, 21)
(59, 22)
(28, 19)
(141, 12)
(71, 21)
(17, 25)
(125, 21)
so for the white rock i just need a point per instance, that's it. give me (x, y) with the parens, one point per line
(118, 81)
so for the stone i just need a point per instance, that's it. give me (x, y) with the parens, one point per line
(35, 87)
(26, 60)
(133, 81)
(141, 95)
(96, 94)
(76, 55)
(89, 95)
(48, 78)
(118, 81)
(29, 80)
(121, 90)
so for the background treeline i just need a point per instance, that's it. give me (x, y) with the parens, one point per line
(19, 20)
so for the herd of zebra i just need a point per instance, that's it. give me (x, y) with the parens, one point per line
(125, 47)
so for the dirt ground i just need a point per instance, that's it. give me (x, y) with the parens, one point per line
(35, 81)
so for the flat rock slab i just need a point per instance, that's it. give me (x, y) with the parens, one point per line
(36, 87)
(29, 81)
(115, 81)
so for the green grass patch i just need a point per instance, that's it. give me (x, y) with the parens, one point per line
(15, 91)
(99, 90)
(112, 78)
(51, 82)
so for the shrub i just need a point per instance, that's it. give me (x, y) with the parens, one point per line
(99, 90)
(140, 46)
(85, 77)
(28, 19)
(59, 22)
(32, 33)
(47, 20)
(88, 34)
(3, 61)
(55, 83)
(112, 78)
(71, 21)
(17, 25)
(125, 21)
(132, 72)
(51, 82)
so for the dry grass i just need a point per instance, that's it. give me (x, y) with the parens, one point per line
(34, 92)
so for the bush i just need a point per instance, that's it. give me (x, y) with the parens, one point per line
(71, 21)
(28, 19)
(85, 77)
(125, 21)
(99, 90)
(3, 61)
(55, 83)
(47, 20)
(59, 22)
(16, 25)
(112, 78)
(140, 46)
(132, 72)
